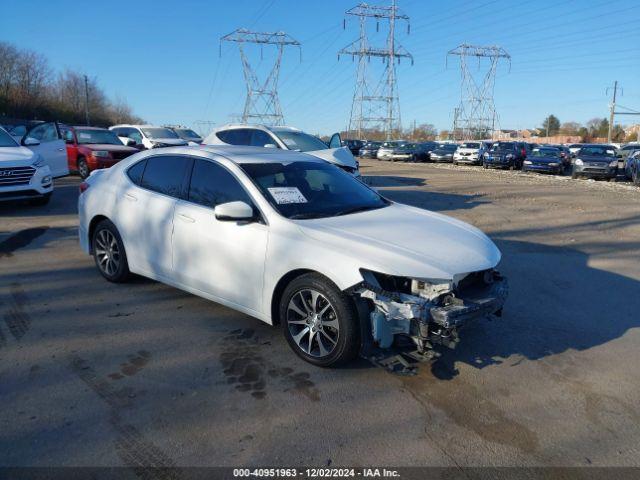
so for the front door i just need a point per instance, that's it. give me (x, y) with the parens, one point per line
(52, 147)
(224, 259)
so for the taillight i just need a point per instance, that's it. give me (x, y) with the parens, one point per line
(83, 187)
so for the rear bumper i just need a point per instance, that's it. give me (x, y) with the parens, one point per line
(476, 304)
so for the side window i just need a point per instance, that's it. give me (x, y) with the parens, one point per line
(45, 132)
(235, 136)
(135, 172)
(164, 174)
(135, 135)
(260, 139)
(211, 185)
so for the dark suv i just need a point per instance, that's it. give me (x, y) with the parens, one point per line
(509, 155)
(354, 146)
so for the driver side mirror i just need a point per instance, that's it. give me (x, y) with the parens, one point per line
(30, 142)
(131, 142)
(336, 141)
(270, 145)
(234, 212)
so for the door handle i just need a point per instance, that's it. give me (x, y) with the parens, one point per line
(186, 218)
(60, 149)
(133, 198)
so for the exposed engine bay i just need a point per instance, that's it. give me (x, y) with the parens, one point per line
(406, 318)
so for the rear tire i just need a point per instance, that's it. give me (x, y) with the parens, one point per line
(109, 254)
(574, 175)
(319, 321)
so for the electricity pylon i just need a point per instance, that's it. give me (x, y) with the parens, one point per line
(262, 104)
(476, 115)
(378, 106)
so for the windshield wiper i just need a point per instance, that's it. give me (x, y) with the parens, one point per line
(304, 216)
(361, 208)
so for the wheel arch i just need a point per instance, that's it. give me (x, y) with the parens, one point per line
(92, 227)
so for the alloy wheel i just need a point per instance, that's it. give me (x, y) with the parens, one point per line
(313, 323)
(107, 252)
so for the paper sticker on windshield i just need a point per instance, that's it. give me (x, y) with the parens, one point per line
(284, 195)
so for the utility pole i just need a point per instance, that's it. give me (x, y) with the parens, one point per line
(477, 112)
(376, 105)
(612, 111)
(86, 100)
(262, 104)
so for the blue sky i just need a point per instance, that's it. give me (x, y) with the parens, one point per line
(163, 56)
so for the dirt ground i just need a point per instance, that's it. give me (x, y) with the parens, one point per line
(93, 373)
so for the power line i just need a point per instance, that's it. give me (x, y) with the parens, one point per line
(262, 103)
(379, 106)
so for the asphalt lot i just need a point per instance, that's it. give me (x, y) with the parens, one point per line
(93, 373)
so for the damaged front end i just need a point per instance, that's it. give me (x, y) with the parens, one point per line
(404, 312)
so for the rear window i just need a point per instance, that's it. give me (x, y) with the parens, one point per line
(164, 174)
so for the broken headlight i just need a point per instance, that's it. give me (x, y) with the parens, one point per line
(429, 289)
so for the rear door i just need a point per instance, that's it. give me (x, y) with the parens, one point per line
(52, 147)
(145, 212)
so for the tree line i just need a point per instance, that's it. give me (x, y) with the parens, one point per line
(594, 128)
(31, 90)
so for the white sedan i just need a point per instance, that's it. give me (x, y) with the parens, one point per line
(291, 240)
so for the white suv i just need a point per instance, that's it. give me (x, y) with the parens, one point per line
(23, 173)
(471, 152)
(287, 138)
(147, 136)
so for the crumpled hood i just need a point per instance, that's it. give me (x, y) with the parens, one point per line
(341, 156)
(406, 241)
(173, 142)
(16, 157)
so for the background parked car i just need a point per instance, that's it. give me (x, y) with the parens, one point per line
(354, 146)
(186, 134)
(565, 153)
(632, 167)
(443, 152)
(544, 159)
(509, 155)
(596, 161)
(471, 153)
(24, 175)
(369, 150)
(386, 149)
(91, 148)
(147, 136)
(46, 140)
(287, 138)
(424, 150)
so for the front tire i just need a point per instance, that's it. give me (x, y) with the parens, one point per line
(83, 168)
(109, 254)
(319, 321)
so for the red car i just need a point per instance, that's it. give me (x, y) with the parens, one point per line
(91, 148)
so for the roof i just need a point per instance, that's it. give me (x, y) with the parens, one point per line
(242, 154)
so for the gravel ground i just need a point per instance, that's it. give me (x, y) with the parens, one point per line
(143, 374)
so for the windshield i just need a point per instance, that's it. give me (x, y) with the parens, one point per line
(373, 144)
(300, 190)
(448, 147)
(6, 140)
(159, 133)
(596, 151)
(545, 152)
(470, 145)
(300, 141)
(500, 147)
(90, 136)
(187, 133)
(391, 144)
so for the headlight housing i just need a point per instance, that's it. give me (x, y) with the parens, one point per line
(509, 156)
(578, 162)
(100, 153)
(527, 162)
(614, 163)
(553, 164)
